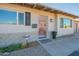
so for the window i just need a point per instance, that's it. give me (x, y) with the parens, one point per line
(11, 17)
(27, 18)
(61, 23)
(21, 18)
(65, 23)
(7, 17)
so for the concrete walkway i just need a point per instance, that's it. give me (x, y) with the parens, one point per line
(62, 46)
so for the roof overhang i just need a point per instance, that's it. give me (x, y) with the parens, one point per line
(45, 8)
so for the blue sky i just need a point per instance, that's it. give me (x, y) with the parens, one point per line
(72, 8)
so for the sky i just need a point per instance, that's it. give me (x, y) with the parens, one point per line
(72, 8)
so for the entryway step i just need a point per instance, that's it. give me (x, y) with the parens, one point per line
(44, 41)
(43, 37)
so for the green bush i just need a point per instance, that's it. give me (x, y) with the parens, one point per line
(10, 48)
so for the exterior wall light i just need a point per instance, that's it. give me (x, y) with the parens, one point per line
(51, 20)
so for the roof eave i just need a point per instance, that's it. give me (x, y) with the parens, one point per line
(45, 8)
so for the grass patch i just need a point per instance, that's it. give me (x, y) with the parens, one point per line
(11, 48)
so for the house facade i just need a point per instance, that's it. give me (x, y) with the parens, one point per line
(21, 19)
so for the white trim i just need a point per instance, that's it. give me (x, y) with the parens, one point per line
(17, 18)
(24, 18)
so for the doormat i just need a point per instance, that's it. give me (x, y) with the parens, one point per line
(45, 41)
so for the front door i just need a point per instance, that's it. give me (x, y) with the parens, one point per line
(43, 26)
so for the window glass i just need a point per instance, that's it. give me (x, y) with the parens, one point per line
(27, 18)
(21, 18)
(7, 17)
